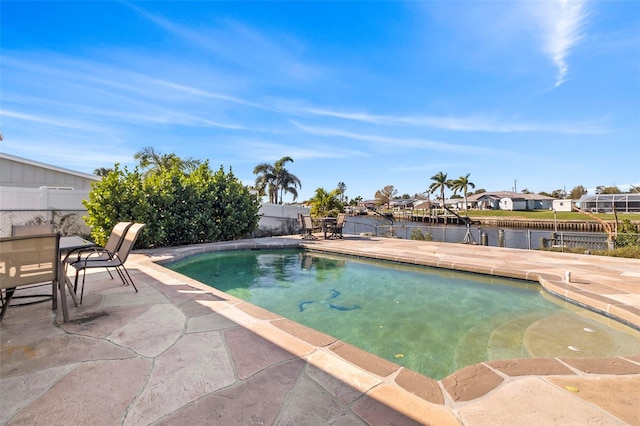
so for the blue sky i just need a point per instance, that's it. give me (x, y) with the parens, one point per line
(537, 94)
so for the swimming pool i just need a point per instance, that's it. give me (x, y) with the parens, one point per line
(429, 320)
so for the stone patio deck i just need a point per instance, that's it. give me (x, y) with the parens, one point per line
(179, 352)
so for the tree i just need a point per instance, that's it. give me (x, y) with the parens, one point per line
(275, 180)
(342, 187)
(156, 162)
(440, 183)
(286, 182)
(479, 191)
(102, 171)
(462, 184)
(577, 192)
(609, 190)
(384, 195)
(634, 189)
(326, 203)
(266, 181)
(356, 200)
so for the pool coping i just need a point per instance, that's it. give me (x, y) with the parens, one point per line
(411, 393)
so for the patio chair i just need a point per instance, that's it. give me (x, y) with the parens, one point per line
(101, 258)
(336, 228)
(101, 253)
(301, 224)
(23, 230)
(307, 228)
(31, 260)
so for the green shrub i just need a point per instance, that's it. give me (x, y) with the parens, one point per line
(417, 234)
(178, 208)
(627, 235)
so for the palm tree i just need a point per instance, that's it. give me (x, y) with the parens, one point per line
(325, 203)
(285, 181)
(342, 187)
(440, 182)
(265, 182)
(155, 162)
(102, 171)
(462, 184)
(275, 180)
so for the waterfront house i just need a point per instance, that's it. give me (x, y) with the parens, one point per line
(513, 203)
(507, 200)
(562, 205)
(601, 203)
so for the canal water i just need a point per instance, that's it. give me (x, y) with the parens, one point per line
(512, 237)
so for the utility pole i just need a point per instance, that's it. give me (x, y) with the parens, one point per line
(515, 188)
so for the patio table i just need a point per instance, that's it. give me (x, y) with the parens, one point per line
(326, 221)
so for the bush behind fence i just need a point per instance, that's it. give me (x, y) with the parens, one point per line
(67, 222)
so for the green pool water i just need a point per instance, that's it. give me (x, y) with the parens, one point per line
(430, 320)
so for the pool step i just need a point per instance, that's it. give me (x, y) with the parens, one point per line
(507, 340)
(472, 347)
(496, 338)
(571, 336)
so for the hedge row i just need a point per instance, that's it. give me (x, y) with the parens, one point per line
(178, 208)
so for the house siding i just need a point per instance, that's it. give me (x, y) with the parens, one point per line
(25, 174)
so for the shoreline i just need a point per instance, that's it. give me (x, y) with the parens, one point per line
(512, 222)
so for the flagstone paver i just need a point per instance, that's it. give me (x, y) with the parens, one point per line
(99, 322)
(252, 353)
(545, 404)
(209, 322)
(616, 395)
(255, 401)
(56, 351)
(19, 391)
(310, 404)
(93, 393)
(334, 386)
(195, 366)
(167, 322)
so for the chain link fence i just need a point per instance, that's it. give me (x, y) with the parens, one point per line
(530, 239)
(67, 222)
(71, 222)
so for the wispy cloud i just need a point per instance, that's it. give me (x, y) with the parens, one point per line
(94, 154)
(394, 142)
(206, 94)
(423, 168)
(464, 124)
(51, 121)
(563, 23)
